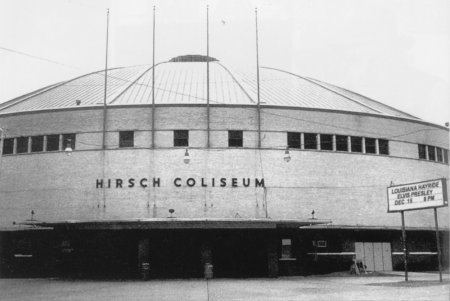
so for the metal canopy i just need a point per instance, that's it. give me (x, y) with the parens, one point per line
(178, 223)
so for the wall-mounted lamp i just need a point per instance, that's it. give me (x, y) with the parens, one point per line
(287, 155)
(186, 158)
(68, 148)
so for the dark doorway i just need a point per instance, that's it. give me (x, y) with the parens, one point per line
(240, 253)
(175, 254)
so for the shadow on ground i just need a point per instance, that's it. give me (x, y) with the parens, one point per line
(416, 283)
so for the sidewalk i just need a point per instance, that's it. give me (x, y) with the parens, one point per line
(422, 286)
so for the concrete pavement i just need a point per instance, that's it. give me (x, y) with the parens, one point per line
(422, 286)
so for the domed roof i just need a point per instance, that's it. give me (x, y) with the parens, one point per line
(182, 80)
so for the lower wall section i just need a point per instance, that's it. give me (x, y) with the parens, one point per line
(196, 253)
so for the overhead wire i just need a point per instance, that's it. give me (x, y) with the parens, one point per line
(213, 101)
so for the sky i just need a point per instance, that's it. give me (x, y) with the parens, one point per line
(396, 52)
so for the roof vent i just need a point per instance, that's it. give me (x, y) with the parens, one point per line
(193, 58)
(78, 102)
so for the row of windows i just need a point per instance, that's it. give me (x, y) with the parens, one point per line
(433, 153)
(295, 140)
(35, 144)
(338, 143)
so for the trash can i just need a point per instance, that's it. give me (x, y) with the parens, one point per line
(208, 271)
(145, 270)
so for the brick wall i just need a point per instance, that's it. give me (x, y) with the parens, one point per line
(346, 188)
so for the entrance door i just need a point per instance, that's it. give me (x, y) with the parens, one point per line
(376, 256)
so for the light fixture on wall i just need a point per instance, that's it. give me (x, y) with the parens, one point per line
(68, 148)
(186, 158)
(287, 155)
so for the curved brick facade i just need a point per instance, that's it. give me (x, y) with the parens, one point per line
(348, 188)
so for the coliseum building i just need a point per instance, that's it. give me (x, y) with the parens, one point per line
(292, 185)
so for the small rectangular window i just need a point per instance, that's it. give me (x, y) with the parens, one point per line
(383, 147)
(439, 154)
(326, 142)
(445, 156)
(370, 145)
(52, 143)
(431, 154)
(356, 144)
(286, 248)
(321, 243)
(422, 151)
(22, 145)
(293, 140)
(126, 139)
(8, 146)
(37, 144)
(341, 143)
(68, 140)
(310, 141)
(181, 138)
(235, 138)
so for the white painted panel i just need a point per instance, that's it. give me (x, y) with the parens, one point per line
(378, 256)
(387, 256)
(368, 256)
(359, 250)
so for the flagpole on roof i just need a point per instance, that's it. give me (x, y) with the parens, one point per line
(105, 107)
(257, 81)
(207, 79)
(153, 83)
(106, 81)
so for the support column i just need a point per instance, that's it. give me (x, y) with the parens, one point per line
(29, 145)
(206, 260)
(377, 147)
(15, 146)
(2, 244)
(302, 141)
(44, 146)
(363, 145)
(272, 257)
(144, 258)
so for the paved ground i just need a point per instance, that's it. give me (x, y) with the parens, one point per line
(423, 286)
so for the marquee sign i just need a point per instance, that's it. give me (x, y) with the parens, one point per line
(421, 195)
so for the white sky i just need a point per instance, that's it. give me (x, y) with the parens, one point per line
(396, 52)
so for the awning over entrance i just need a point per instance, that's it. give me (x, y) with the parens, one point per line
(179, 223)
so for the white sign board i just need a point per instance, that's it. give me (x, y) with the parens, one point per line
(427, 194)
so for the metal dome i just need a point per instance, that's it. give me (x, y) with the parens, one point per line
(182, 80)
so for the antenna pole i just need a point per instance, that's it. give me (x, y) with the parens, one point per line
(106, 81)
(207, 80)
(257, 81)
(153, 83)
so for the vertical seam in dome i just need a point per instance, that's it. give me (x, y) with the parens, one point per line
(132, 83)
(331, 90)
(236, 81)
(368, 98)
(52, 87)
